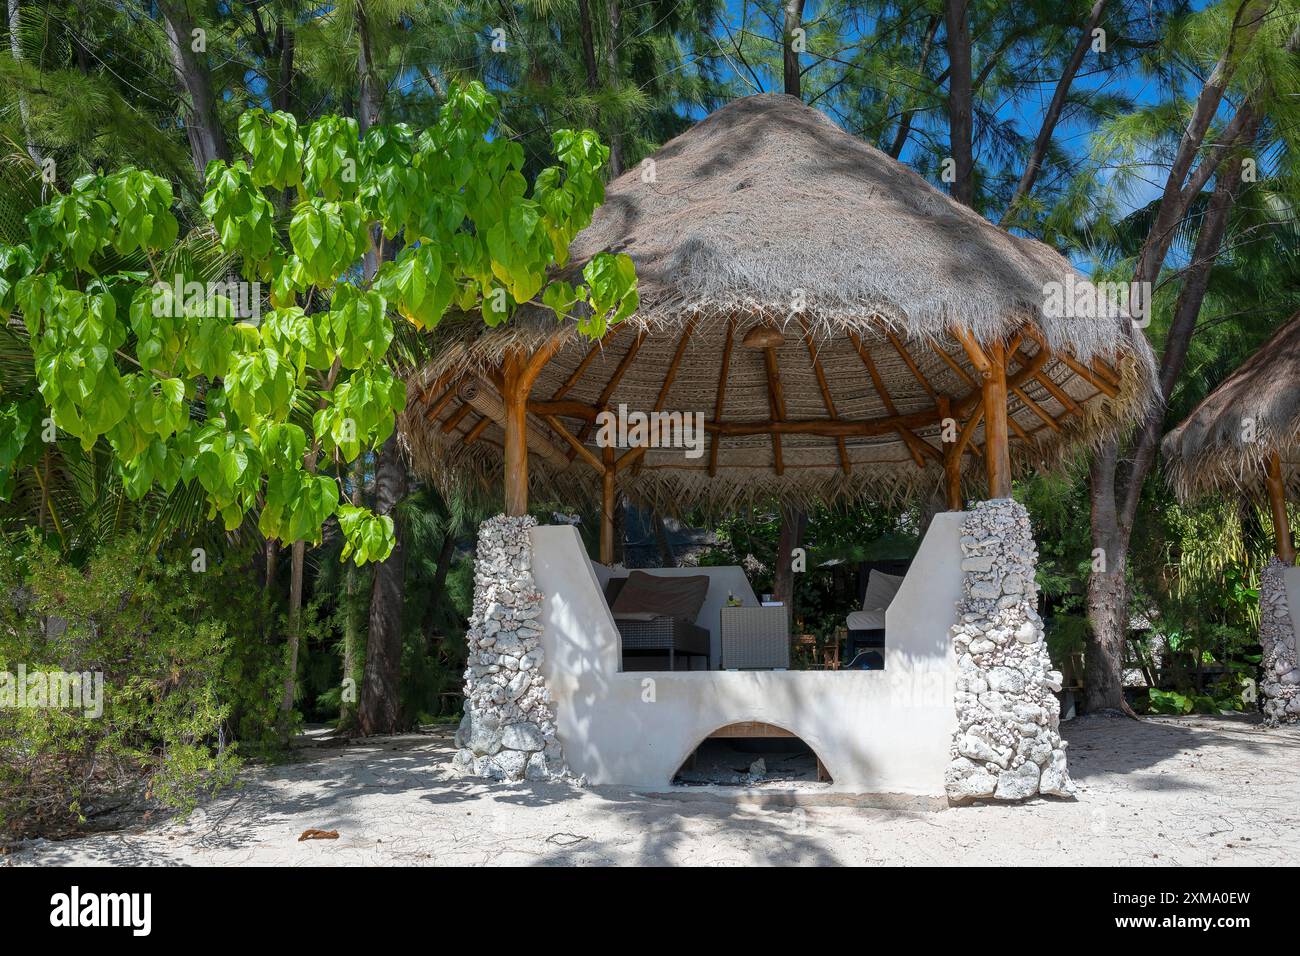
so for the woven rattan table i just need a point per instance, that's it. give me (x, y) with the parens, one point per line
(755, 637)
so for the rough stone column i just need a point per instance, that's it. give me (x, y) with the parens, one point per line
(1007, 744)
(1281, 687)
(508, 731)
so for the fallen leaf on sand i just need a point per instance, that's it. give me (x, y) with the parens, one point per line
(319, 835)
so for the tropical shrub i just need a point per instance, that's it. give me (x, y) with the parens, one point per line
(179, 651)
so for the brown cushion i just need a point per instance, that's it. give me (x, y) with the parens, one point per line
(612, 589)
(678, 597)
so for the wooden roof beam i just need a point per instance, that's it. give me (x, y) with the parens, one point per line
(1096, 381)
(827, 399)
(906, 356)
(619, 371)
(776, 404)
(908, 439)
(722, 394)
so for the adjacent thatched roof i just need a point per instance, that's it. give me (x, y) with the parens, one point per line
(762, 203)
(1254, 413)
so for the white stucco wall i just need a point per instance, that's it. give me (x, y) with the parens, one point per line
(879, 732)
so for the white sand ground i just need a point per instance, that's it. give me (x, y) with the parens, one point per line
(1153, 792)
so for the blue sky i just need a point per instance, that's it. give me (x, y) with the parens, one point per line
(1147, 179)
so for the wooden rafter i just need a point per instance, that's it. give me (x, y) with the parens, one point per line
(1105, 371)
(776, 403)
(722, 394)
(983, 364)
(1034, 407)
(965, 438)
(912, 441)
(566, 407)
(1045, 380)
(906, 356)
(454, 418)
(596, 348)
(620, 370)
(671, 375)
(1085, 373)
(475, 433)
(956, 366)
(951, 459)
(578, 447)
(845, 465)
(820, 426)
(437, 385)
(445, 399)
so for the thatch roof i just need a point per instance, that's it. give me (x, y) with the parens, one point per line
(764, 202)
(1253, 414)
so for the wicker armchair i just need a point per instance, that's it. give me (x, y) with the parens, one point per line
(656, 615)
(664, 634)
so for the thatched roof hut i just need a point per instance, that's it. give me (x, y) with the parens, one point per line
(1231, 439)
(826, 309)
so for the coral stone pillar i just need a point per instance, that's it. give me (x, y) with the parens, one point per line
(1007, 745)
(509, 730)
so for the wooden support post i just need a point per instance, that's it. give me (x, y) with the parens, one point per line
(1277, 501)
(607, 506)
(515, 395)
(518, 372)
(997, 459)
(951, 457)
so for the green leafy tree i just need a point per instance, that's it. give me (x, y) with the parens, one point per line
(185, 389)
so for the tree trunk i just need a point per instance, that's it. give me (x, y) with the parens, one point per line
(1112, 525)
(16, 50)
(960, 121)
(620, 532)
(1107, 596)
(348, 708)
(588, 44)
(905, 121)
(445, 553)
(1177, 197)
(380, 711)
(368, 101)
(299, 554)
(272, 551)
(789, 56)
(1053, 113)
(666, 556)
(611, 59)
(285, 44)
(794, 522)
(1114, 513)
(207, 141)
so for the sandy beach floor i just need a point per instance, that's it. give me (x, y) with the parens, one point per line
(1160, 791)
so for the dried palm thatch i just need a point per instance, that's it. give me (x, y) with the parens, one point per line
(1254, 414)
(766, 218)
